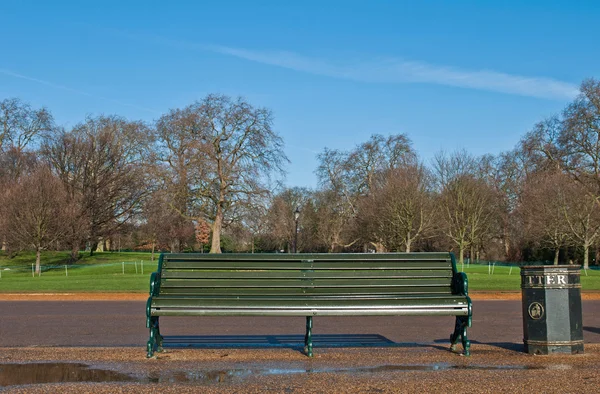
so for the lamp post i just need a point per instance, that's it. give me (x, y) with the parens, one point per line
(296, 217)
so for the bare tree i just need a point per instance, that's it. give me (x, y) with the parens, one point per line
(348, 177)
(401, 210)
(578, 139)
(226, 152)
(543, 209)
(337, 201)
(255, 219)
(571, 142)
(333, 220)
(468, 204)
(280, 217)
(36, 210)
(369, 160)
(103, 160)
(163, 226)
(582, 215)
(21, 125)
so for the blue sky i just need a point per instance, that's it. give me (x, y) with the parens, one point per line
(450, 74)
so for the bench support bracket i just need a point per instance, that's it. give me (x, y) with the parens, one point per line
(308, 344)
(460, 332)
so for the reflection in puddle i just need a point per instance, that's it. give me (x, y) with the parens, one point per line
(18, 374)
(38, 373)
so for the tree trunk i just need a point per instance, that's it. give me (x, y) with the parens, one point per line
(74, 252)
(556, 252)
(38, 258)
(586, 256)
(153, 246)
(215, 247)
(93, 247)
(408, 244)
(175, 246)
(461, 254)
(506, 242)
(472, 253)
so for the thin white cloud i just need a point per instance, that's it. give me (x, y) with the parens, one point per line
(71, 90)
(394, 70)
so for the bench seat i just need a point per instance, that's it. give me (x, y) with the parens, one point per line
(314, 306)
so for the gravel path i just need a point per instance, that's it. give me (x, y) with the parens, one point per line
(433, 369)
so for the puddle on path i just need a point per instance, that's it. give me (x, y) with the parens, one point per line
(33, 373)
(38, 373)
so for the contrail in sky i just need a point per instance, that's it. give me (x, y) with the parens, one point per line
(397, 70)
(391, 70)
(76, 91)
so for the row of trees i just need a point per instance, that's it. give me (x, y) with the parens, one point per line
(209, 174)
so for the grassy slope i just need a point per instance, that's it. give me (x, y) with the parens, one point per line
(103, 272)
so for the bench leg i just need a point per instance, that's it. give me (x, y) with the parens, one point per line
(460, 332)
(156, 340)
(308, 345)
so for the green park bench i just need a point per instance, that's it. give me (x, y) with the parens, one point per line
(366, 284)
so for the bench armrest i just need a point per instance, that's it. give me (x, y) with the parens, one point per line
(154, 283)
(460, 284)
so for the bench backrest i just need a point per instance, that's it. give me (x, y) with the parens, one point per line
(306, 274)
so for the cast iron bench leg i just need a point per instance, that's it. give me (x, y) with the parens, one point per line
(460, 332)
(308, 345)
(156, 340)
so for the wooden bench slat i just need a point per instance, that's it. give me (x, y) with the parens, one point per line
(321, 312)
(301, 265)
(295, 274)
(298, 291)
(305, 256)
(332, 283)
(222, 303)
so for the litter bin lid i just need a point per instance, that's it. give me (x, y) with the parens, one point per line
(550, 276)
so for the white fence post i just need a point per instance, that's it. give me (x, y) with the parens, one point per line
(123, 264)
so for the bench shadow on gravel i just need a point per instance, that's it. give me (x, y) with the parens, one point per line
(512, 346)
(595, 330)
(295, 342)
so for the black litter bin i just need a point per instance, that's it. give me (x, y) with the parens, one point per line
(551, 301)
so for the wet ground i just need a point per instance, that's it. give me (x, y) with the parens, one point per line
(410, 369)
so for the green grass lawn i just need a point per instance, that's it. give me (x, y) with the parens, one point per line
(505, 279)
(103, 272)
(130, 272)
